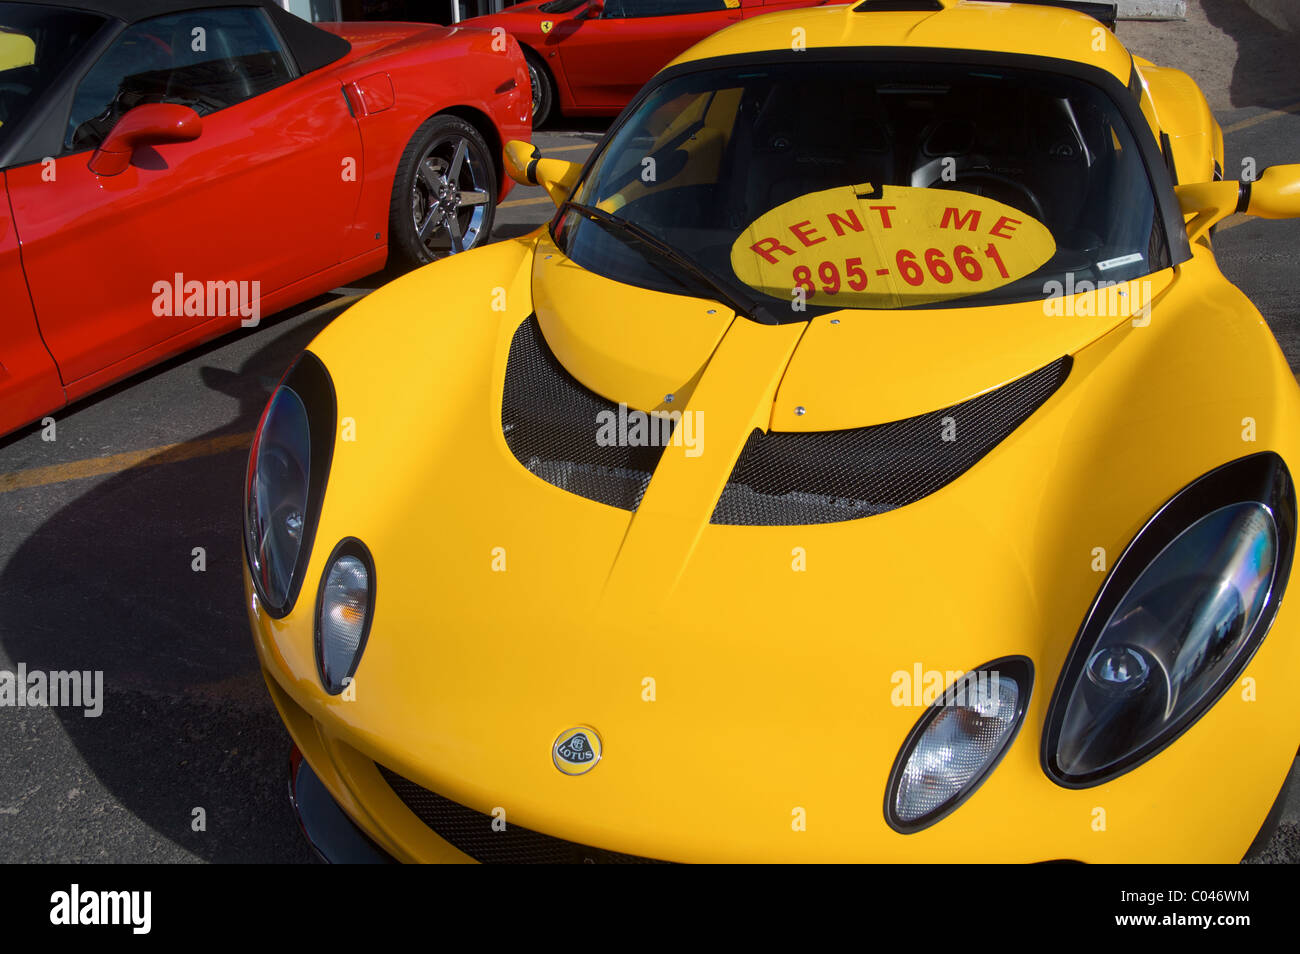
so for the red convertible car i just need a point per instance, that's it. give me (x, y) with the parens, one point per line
(174, 169)
(589, 57)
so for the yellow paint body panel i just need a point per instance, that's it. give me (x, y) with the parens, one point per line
(1001, 28)
(847, 374)
(649, 347)
(772, 684)
(1182, 112)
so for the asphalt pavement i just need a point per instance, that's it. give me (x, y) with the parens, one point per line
(98, 531)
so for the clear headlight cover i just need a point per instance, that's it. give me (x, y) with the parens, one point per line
(1182, 613)
(276, 505)
(957, 743)
(344, 612)
(288, 466)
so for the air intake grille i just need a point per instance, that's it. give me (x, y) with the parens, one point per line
(471, 832)
(551, 424)
(898, 6)
(787, 479)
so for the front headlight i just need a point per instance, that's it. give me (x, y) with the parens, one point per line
(957, 742)
(287, 467)
(344, 610)
(1181, 614)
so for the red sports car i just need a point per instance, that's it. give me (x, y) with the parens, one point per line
(589, 57)
(173, 169)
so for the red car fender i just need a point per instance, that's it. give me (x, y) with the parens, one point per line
(522, 26)
(463, 64)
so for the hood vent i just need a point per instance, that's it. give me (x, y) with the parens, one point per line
(553, 426)
(1105, 12)
(898, 6)
(787, 479)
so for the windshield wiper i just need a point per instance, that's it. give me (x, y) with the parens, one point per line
(739, 303)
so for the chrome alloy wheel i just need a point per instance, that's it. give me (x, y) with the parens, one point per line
(449, 197)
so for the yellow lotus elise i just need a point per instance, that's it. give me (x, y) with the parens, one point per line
(868, 462)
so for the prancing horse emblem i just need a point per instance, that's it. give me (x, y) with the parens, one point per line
(546, 25)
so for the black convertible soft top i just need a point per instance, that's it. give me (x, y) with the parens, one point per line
(311, 47)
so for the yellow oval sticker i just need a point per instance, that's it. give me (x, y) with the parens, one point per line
(861, 247)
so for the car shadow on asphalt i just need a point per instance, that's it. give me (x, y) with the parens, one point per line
(1267, 71)
(108, 583)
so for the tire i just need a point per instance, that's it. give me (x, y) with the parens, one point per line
(543, 88)
(455, 208)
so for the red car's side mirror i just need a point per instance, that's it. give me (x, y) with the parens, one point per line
(593, 10)
(152, 124)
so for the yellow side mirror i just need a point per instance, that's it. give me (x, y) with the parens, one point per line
(526, 165)
(1209, 202)
(1276, 194)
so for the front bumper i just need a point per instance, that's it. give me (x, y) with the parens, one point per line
(441, 831)
(337, 839)
(356, 811)
(333, 836)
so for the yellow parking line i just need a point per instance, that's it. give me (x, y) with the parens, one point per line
(515, 203)
(116, 463)
(585, 145)
(1262, 118)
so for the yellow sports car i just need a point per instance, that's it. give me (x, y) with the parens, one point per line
(868, 462)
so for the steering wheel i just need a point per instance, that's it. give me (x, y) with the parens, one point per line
(972, 170)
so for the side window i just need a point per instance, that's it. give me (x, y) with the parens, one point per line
(205, 59)
(618, 9)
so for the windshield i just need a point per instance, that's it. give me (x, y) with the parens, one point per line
(821, 185)
(36, 43)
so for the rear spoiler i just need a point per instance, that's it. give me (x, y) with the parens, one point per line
(1105, 12)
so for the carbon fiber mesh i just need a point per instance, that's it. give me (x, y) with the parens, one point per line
(471, 832)
(550, 423)
(787, 479)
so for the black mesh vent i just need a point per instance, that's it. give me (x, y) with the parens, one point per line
(786, 479)
(471, 832)
(898, 6)
(551, 424)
